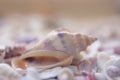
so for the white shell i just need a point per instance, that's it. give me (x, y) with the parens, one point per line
(7, 73)
(31, 74)
(65, 74)
(113, 71)
(50, 73)
(40, 74)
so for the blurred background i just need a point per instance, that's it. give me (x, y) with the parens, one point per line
(24, 21)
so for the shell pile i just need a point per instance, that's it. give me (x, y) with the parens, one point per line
(63, 55)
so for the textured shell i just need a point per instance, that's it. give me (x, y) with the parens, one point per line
(62, 40)
(59, 42)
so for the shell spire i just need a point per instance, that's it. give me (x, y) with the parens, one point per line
(83, 41)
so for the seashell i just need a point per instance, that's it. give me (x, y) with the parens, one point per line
(31, 74)
(50, 73)
(65, 74)
(57, 43)
(111, 69)
(9, 52)
(21, 71)
(71, 43)
(7, 73)
(37, 74)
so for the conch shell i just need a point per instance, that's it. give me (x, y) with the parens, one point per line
(59, 46)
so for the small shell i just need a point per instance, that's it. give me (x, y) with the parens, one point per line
(7, 73)
(111, 70)
(31, 74)
(65, 74)
(50, 73)
(58, 43)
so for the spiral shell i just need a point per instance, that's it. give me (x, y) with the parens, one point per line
(111, 69)
(58, 43)
(71, 43)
